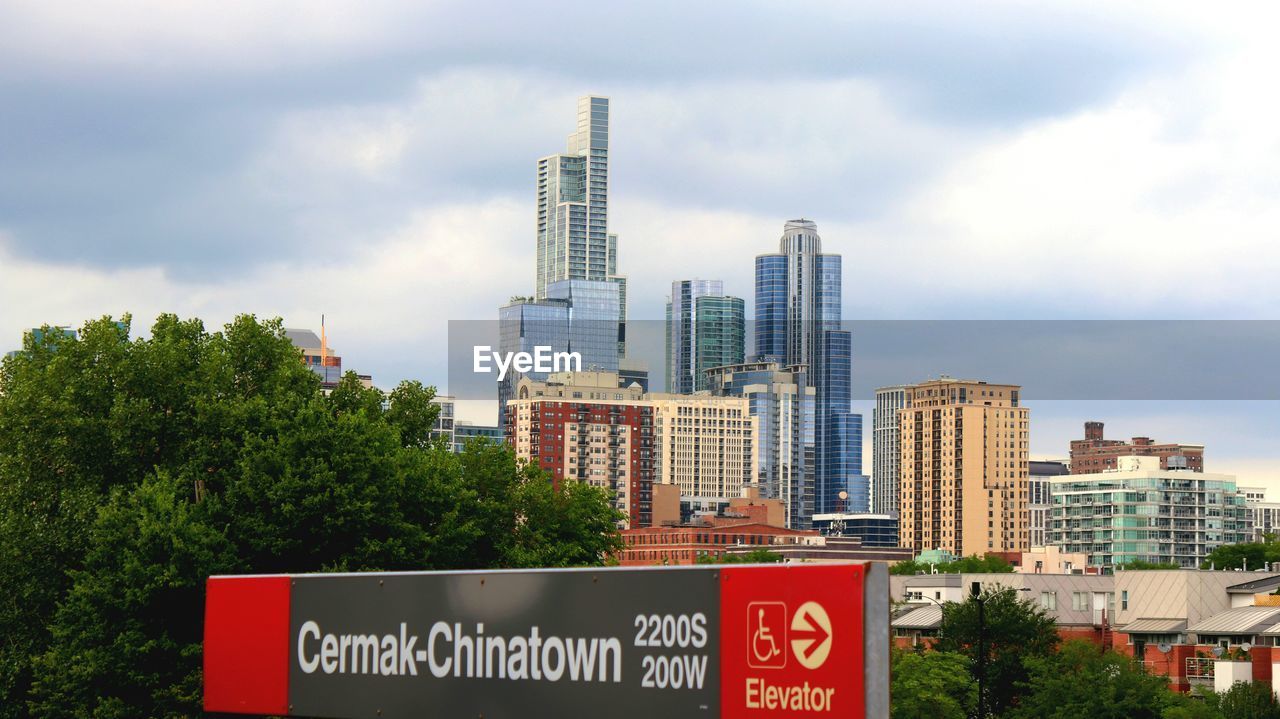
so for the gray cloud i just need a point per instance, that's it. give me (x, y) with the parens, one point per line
(139, 149)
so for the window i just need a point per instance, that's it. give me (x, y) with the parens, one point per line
(1124, 600)
(1049, 600)
(1079, 601)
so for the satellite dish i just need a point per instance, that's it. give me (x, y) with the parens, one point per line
(1218, 651)
(1163, 647)
(844, 494)
(1246, 646)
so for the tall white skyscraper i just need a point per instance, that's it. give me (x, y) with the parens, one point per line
(574, 242)
(885, 449)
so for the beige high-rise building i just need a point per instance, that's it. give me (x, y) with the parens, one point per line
(964, 467)
(706, 444)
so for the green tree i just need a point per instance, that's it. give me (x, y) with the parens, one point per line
(990, 564)
(411, 411)
(759, 555)
(931, 685)
(1249, 700)
(132, 470)
(1252, 555)
(1015, 630)
(1081, 680)
(1202, 703)
(1146, 566)
(124, 638)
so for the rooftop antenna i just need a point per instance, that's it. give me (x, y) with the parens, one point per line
(324, 345)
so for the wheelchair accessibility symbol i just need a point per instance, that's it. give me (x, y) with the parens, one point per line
(807, 635)
(768, 632)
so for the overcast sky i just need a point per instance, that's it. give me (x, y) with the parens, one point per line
(374, 162)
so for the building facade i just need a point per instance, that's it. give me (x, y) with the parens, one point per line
(686, 544)
(574, 242)
(579, 316)
(1040, 498)
(964, 468)
(875, 530)
(1078, 604)
(705, 329)
(885, 449)
(1095, 453)
(320, 358)
(705, 444)
(444, 427)
(798, 316)
(583, 427)
(1264, 515)
(465, 432)
(782, 403)
(1142, 513)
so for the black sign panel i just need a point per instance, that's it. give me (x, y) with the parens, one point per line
(507, 644)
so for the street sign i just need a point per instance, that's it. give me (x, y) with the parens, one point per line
(755, 641)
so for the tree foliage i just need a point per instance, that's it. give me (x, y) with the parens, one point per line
(1015, 630)
(759, 555)
(932, 685)
(990, 564)
(1081, 680)
(1147, 566)
(1249, 700)
(1249, 555)
(132, 470)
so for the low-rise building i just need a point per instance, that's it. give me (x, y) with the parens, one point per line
(874, 530)
(831, 549)
(1052, 560)
(1176, 622)
(686, 544)
(1078, 603)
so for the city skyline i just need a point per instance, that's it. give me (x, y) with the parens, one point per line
(381, 177)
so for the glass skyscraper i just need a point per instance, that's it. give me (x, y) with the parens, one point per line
(798, 323)
(574, 242)
(575, 316)
(783, 402)
(705, 329)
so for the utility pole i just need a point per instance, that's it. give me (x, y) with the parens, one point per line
(975, 590)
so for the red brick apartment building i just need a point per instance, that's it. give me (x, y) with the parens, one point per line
(1095, 454)
(604, 438)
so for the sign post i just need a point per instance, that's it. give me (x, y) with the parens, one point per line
(751, 642)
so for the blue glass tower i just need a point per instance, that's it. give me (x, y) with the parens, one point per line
(705, 329)
(798, 323)
(576, 316)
